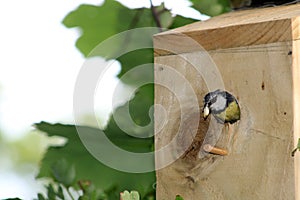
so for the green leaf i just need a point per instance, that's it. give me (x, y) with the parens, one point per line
(164, 15)
(97, 23)
(86, 166)
(297, 148)
(50, 192)
(181, 21)
(63, 172)
(211, 7)
(41, 197)
(60, 192)
(178, 197)
(133, 195)
(125, 195)
(139, 108)
(134, 59)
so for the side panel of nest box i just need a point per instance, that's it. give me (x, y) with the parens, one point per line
(259, 163)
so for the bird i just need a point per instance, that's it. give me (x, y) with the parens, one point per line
(240, 4)
(222, 105)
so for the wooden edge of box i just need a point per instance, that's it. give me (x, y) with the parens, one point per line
(296, 101)
(235, 29)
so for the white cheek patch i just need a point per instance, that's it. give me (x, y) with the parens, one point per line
(206, 111)
(220, 104)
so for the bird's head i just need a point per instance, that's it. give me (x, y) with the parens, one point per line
(214, 102)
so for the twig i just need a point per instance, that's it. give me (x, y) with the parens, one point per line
(210, 149)
(155, 16)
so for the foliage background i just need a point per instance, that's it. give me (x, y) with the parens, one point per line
(69, 165)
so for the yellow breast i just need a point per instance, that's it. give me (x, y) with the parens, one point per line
(231, 114)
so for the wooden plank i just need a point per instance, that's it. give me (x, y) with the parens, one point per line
(243, 17)
(259, 165)
(235, 29)
(226, 37)
(253, 54)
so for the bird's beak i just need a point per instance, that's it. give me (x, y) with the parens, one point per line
(205, 112)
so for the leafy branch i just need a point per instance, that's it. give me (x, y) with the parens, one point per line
(73, 170)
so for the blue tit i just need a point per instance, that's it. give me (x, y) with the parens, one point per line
(222, 105)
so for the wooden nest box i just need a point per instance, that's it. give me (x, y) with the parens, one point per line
(254, 55)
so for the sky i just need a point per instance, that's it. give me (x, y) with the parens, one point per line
(38, 69)
(38, 64)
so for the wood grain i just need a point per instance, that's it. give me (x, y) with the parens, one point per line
(235, 29)
(256, 54)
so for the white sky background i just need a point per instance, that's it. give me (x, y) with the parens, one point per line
(38, 68)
